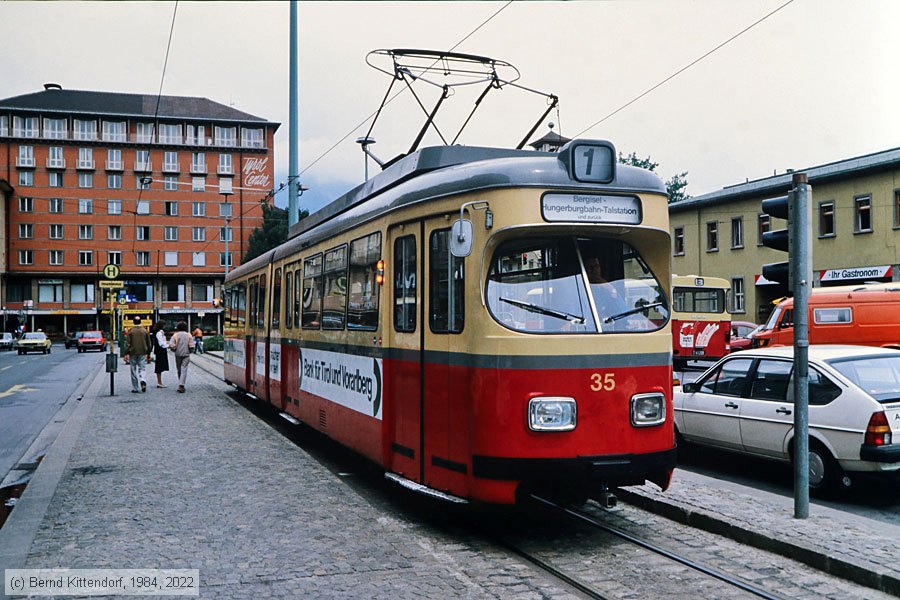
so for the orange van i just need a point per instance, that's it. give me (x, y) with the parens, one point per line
(867, 315)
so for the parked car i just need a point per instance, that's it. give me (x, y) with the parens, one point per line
(744, 403)
(34, 341)
(741, 334)
(72, 339)
(6, 341)
(91, 340)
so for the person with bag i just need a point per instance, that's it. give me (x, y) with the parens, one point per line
(137, 352)
(181, 344)
(161, 353)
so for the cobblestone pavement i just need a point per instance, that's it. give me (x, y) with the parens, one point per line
(169, 480)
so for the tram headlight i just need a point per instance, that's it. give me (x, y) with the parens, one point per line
(648, 409)
(552, 414)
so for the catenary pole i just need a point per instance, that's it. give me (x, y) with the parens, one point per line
(294, 141)
(801, 271)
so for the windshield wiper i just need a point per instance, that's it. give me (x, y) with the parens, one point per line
(545, 311)
(622, 315)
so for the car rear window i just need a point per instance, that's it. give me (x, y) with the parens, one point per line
(879, 376)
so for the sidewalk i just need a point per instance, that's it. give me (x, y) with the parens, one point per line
(195, 481)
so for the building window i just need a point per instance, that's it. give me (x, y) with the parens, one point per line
(85, 158)
(173, 292)
(56, 205)
(195, 134)
(114, 181)
(56, 231)
(26, 156)
(142, 160)
(764, 224)
(81, 292)
(171, 259)
(85, 232)
(143, 207)
(55, 129)
(226, 259)
(114, 257)
(143, 258)
(737, 232)
(25, 127)
(143, 182)
(896, 209)
(198, 162)
(171, 234)
(4, 125)
(712, 236)
(114, 232)
(142, 233)
(17, 292)
(737, 295)
(113, 131)
(226, 166)
(55, 180)
(50, 292)
(85, 180)
(862, 212)
(85, 257)
(226, 234)
(171, 208)
(201, 292)
(55, 158)
(251, 138)
(225, 209)
(170, 162)
(26, 178)
(26, 204)
(114, 159)
(198, 184)
(826, 219)
(26, 231)
(678, 242)
(114, 207)
(225, 136)
(84, 130)
(198, 209)
(143, 133)
(26, 257)
(198, 234)
(170, 183)
(85, 206)
(169, 134)
(198, 259)
(56, 258)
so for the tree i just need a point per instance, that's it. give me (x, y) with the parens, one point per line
(273, 232)
(675, 186)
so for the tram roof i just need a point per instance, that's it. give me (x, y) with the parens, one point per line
(441, 171)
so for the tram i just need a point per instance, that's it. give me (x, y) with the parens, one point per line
(479, 322)
(701, 323)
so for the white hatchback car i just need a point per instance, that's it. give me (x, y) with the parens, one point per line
(744, 403)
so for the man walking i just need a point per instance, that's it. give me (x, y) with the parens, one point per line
(137, 353)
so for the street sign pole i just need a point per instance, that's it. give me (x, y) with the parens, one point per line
(801, 274)
(111, 273)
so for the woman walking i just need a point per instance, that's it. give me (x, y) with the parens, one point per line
(160, 351)
(182, 343)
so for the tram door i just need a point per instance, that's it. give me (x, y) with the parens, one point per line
(426, 418)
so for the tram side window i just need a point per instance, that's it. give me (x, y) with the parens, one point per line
(235, 297)
(335, 299)
(276, 299)
(405, 284)
(298, 295)
(446, 286)
(288, 299)
(364, 290)
(253, 292)
(312, 292)
(261, 304)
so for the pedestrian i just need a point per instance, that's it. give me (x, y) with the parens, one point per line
(160, 350)
(182, 343)
(137, 352)
(198, 340)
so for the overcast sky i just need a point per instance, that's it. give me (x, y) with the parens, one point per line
(814, 83)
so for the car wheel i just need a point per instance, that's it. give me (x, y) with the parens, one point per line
(824, 471)
(20, 353)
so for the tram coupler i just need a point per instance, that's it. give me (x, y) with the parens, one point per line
(607, 499)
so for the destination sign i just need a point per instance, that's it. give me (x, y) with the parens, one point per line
(591, 208)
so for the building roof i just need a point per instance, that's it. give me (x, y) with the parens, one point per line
(53, 99)
(778, 185)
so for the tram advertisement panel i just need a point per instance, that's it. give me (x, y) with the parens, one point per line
(346, 379)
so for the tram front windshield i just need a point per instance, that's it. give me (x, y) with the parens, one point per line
(568, 284)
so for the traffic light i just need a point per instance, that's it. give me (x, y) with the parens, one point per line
(778, 240)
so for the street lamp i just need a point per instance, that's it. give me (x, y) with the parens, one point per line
(226, 191)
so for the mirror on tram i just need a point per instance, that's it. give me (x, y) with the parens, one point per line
(461, 235)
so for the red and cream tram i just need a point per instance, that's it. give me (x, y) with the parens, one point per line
(479, 322)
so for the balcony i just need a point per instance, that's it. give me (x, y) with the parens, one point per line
(114, 165)
(171, 168)
(143, 166)
(25, 161)
(198, 168)
(85, 164)
(226, 170)
(56, 163)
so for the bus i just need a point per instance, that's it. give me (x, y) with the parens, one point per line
(701, 323)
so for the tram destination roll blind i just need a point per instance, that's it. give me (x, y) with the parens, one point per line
(591, 208)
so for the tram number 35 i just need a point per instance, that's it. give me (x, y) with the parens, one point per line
(603, 382)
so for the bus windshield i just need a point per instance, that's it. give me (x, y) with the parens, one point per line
(568, 284)
(698, 300)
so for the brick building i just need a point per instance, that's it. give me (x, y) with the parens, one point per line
(152, 185)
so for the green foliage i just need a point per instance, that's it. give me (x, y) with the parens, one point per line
(273, 232)
(213, 342)
(675, 187)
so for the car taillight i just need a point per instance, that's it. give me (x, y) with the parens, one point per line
(878, 432)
